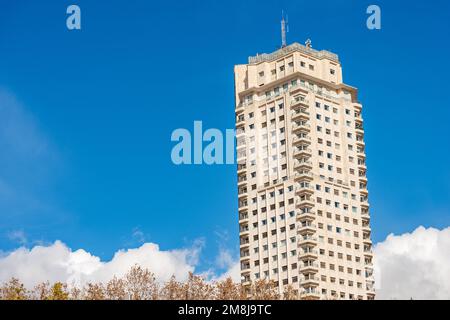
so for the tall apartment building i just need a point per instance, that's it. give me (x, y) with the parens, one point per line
(302, 186)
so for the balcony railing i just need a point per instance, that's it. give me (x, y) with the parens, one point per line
(307, 239)
(301, 126)
(243, 216)
(305, 138)
(242, 166)
(244, 228)
(242, 191)
(309, 251)
(309, 265)
(243, 204)
(310, 278)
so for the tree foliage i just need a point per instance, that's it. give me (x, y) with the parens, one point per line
(140, 284)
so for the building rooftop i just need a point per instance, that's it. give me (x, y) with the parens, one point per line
(319, 54)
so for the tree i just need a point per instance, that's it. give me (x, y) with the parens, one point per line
(228, 290)
(41, 291)
(115, 289)
(290, 293)
(94, 291)
(263, 290)
(195, 288)
(14, 290)
(140, 284)
(59, 292)
(172, 290)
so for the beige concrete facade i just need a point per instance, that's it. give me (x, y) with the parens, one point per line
(302, 187)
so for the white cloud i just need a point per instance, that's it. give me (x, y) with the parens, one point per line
(233, 272)
(57, 262)
(18, 236)
(414, 265)
(20, 134)
(224, 260)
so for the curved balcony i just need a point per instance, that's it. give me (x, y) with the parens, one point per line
(306, 215)
(239, 131)
(242, 180)
(306, 228)
(302, 152)
(308, 252)
(241, 168)
(307, 240)
(360, 142)
(299, 101)
(243, 205)
(359, 128)
(303, 176)
(367, 240)
(310, 294)
(244, 242)
(244, 229)
(245, 255)
(245, 266)
(305, 189)
(242, 192)
(309, 280)
(299, 114)
(243, 217)
(366, 228)
(309, 266)
(303, 139)
(363, 179)
(298, 127)
(305, 202)
(302, 164)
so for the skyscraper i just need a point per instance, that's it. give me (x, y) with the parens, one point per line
(302, 186)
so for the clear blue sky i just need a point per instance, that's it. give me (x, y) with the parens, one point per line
(86, 158)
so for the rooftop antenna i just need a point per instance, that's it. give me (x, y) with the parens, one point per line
(284, 29)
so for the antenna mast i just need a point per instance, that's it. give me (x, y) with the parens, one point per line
(283, 29)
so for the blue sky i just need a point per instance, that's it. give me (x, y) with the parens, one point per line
(86, 116)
